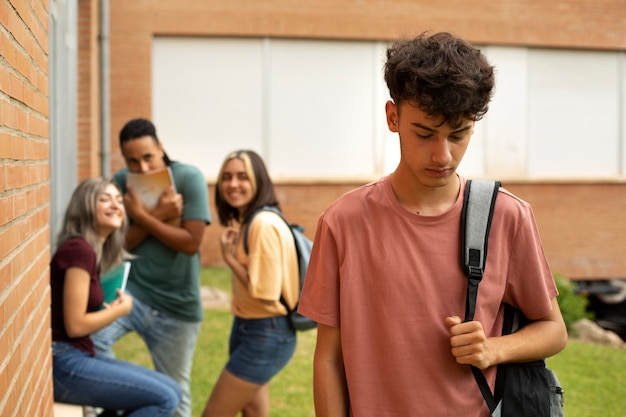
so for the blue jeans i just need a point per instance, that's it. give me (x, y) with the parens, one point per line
(171, 343)
(80, 378)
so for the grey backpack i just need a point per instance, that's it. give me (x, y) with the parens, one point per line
(526, 389)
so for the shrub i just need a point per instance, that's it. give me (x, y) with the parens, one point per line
(573, 306)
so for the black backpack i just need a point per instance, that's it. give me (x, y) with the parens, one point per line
(303, 250)
(525, 388)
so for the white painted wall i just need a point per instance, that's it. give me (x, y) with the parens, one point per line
(314, 109)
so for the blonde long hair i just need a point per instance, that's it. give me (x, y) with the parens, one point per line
(80, 220)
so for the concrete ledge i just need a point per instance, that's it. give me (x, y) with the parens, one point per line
(67, 410)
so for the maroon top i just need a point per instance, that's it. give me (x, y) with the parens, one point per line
(74, 252)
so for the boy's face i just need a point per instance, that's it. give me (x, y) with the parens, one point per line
(143, 154)
(429, 150)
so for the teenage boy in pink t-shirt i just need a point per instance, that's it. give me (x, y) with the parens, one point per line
(384, 281)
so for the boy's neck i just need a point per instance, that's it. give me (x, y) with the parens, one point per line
(424, 200)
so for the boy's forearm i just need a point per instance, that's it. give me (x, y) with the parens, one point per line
(538, 339)
(330, 393)
(330, 390)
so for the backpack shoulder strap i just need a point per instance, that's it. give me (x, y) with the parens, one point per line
(479, 201)
(254, 213)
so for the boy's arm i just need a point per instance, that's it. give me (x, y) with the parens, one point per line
(329, 378)
(538, 339)
(186, 238)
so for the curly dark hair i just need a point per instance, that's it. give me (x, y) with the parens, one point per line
(441, 74)
(138, 128)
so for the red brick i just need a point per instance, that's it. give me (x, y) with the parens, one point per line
(25, 382)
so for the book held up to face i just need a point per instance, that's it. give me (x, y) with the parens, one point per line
(151, 185)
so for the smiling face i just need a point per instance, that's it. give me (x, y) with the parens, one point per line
(143, 154)
(431, 151)
(109, 211)
(235, 185)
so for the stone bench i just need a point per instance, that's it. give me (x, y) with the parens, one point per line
(67, 410)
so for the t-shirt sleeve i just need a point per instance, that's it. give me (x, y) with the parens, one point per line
(76, 253)
(531, 285)
(120, 179)
(320, 295)
(195, 194)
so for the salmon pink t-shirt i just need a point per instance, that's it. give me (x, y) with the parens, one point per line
(389, 278)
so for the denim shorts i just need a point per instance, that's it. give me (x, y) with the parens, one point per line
(260, 348)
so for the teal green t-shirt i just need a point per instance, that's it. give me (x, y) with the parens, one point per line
(163, 278)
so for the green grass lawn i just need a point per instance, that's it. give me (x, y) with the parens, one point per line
(291, 390)
(593, 377)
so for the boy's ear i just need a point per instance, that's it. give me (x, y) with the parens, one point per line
(391, 110)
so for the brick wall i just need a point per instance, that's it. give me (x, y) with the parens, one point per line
(582, 226)
(25, 359)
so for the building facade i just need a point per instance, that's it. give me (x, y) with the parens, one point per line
(578, 212)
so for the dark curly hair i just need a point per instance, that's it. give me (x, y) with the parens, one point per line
(442, 75)
(138, 128)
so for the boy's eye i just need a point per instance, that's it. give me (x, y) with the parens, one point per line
(460, 136)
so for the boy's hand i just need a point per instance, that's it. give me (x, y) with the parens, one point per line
(169, 206)
(132, 203)
(469, 343)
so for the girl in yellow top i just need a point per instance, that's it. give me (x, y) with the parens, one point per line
(262, 340)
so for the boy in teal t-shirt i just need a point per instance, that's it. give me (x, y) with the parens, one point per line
(164, 276)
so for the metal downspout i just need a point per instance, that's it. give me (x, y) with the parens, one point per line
(105, 116)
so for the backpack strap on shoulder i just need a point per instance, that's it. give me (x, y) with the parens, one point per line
(478, 203)
(246, 230)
